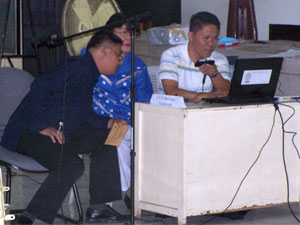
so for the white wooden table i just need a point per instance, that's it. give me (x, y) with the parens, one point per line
(191, 161)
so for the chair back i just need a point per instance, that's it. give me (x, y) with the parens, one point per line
(14, 85)
(153, 73)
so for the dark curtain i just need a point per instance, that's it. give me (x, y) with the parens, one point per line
(11, 33)
(164, 12)
(41, 18)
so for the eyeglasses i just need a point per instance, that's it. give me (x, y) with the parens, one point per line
(118, 54)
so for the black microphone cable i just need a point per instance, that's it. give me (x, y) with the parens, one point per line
(62, 123)
(203, 81)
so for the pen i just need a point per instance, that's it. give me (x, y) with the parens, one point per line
(60, 127)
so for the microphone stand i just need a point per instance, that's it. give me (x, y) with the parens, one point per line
(131, 25)
(54, 40)
(131, 28)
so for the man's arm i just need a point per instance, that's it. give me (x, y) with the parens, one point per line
(171, 88)
(169, 76)
(40, 88)
(219, 83)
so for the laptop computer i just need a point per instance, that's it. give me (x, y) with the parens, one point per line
(254, 80)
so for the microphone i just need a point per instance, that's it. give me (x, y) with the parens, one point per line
(143, 16)
(49, 41)
(133, 21)
(200, 62)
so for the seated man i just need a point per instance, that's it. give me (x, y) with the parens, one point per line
(55, 122)
(178, 74)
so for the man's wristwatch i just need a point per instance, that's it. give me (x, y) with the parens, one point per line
(214, 75)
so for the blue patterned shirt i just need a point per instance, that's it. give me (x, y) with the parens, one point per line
(112, 93)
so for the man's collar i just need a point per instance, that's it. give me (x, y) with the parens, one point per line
(185, 52)
(92, 64)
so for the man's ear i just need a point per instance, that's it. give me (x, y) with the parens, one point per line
(98, 54)
(190, 35)
(102, 51)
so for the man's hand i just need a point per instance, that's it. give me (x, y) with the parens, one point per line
(120, 122)
(213, 94)
(54, 134)
(208, 69)
(220, 93)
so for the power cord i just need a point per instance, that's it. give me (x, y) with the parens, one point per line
(284, 164)
(244, 178)
(109, 220)
(291, 132)
(279, 87)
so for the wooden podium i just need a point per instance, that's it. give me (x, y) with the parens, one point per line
(191, 161)
(241, 23)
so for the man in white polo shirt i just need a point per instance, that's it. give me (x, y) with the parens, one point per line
(178, 74)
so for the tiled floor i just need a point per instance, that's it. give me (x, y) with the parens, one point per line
(25, 184)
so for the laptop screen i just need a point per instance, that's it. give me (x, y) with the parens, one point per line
(255, 78)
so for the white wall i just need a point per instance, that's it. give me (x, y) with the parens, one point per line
(267, 12)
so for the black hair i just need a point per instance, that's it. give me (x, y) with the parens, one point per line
(201, 19)
(117, 20)
(114, 19)
(101, 37)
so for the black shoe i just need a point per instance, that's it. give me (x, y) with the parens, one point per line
(127, 201)
(239, 215)
(96, 216)
(19, 220)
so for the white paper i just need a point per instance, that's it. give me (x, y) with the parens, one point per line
(288, 53)
(253, 77)
(168, 101)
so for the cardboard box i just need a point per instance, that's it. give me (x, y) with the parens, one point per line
(174, 34)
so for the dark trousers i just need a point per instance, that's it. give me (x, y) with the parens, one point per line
(66, 167)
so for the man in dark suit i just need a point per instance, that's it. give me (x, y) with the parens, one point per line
(55, 122)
